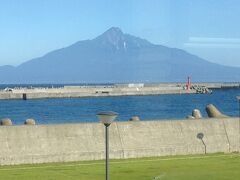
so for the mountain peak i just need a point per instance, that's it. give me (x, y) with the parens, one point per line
(113, 36)
(114, 31)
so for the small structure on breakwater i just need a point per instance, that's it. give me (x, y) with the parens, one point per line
(201, 89)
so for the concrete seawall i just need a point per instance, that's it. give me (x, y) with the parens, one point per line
(85, 141)
(95, 91)
(111, 90)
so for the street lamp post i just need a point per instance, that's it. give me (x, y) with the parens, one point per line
(200, 136)
(107, 118)
(238, 98)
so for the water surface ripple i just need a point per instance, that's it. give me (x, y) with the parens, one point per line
(51, 111)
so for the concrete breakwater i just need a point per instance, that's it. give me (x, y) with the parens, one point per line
(98, 91)
(218, 85)
(91, 91)
(85, 141)
(113, 90)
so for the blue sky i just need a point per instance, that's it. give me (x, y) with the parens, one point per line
(207, 28)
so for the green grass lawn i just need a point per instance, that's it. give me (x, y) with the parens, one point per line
(199, 167)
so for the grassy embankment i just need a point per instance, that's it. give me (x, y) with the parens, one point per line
(198, 167)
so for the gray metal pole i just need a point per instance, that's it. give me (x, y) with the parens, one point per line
(239, 123)
(205, 147)
(107, 151)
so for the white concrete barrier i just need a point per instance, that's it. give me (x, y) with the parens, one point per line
(85, 141)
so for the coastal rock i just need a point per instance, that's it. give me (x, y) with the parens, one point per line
(30, 122)
(196, 113)
(134, 118)
(6, 122)
(213, 112)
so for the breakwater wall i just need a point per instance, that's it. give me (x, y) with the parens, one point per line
(218, 85)
(85, 141)
(111, 90)
(90, 91)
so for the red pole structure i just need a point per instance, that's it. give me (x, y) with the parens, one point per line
(189, 84)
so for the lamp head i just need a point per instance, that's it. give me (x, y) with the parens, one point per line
(107, 117)
(200, 136)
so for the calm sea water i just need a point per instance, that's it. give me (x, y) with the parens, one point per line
(50, 111)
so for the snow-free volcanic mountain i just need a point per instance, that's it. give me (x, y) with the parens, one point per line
(117, 57)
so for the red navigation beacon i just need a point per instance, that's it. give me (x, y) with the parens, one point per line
(189, 84)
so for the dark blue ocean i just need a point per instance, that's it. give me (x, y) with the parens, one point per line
(52, 111)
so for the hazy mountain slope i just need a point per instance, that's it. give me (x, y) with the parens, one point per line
(116, 57)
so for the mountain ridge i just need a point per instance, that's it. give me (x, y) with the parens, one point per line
(117, 57)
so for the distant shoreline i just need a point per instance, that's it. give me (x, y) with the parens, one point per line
(211, 85)
(131, 89)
